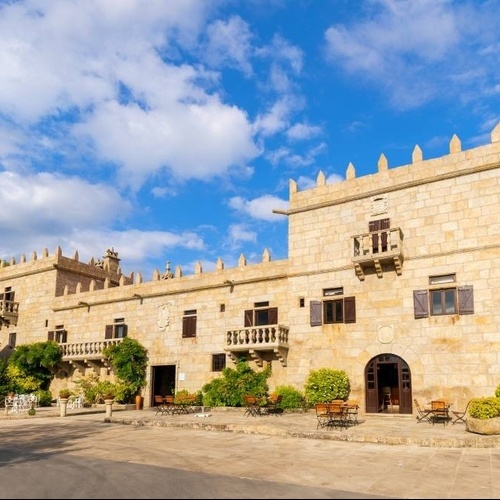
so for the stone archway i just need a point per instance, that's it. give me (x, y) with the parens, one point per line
(388, 385)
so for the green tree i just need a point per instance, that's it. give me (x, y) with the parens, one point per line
(129, 360)
(39, 361)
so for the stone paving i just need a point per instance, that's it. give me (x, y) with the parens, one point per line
(386, 429)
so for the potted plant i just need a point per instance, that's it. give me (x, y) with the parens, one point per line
(64, 394)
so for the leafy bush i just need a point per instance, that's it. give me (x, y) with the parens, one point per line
(37, 361)
(497, 391)
(484, 408)
(129, 360)
(325, 385)
(229, 389)
(44, 397)
(20, 382)
(293, 399)
(195, 398)
(94, 389)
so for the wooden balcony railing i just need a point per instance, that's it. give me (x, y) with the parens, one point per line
(9, 312)
(257, 341)
(376, 249)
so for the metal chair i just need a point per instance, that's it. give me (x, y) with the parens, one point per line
(322, 414)
(460, 416)
(338, 414)
(252, 405)
(423, 414)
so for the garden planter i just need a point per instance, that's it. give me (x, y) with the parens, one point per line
(483, 426)
(139, 402)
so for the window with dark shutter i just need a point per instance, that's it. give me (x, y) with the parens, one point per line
(421, 303)
(315, 311)
(108, 333)
(12, 340)
(51, 336)
(218, 362)
(189, 326)
(273, 316)
(379, 225)
(248, 317)
(350, 310)
(465, 299)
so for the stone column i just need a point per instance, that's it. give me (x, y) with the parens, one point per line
(63, 406)
(109, 407)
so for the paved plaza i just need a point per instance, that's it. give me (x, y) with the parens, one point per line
(388, 456)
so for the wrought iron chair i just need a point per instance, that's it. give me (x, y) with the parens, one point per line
(459, 415)
(423, 414)
(252, 405)
(322, 414)
(338, 414)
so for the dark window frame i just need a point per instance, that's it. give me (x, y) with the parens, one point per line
(12, 339)
(189, 323)
(218, 362)
(320, 315)
(59, 335)
(463, 299)
(261, 316)
(118, 330)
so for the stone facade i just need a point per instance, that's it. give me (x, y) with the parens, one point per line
(369, 259)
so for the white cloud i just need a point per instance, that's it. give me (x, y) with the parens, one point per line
(229, 43)
(301, 131)
(240, 233)
(403, 42)
(84, 62)
(259, 208)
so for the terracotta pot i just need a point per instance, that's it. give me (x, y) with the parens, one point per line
(139, 402)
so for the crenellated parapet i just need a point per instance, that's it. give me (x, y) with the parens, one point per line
(75, 277)
(457, 162)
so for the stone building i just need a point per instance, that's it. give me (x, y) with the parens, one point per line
(393, 277)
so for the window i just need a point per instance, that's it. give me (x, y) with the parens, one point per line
(118, 330)
(222, 308)
(60, 335)
(8, 300)
(189, 324)
(443, 300)
(375, 226)
(341, 310)
(302, 302)
(261, 315)
(218, 362)
(12, 340)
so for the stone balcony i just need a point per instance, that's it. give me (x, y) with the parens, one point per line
(9, 312)
(86, 354)
(377, 252)
(261, 343)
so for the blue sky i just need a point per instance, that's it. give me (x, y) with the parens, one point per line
(169, 129)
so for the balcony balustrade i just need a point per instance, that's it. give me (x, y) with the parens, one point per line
(377, 249)
(9, 312)
(86, 353)
(257, 341)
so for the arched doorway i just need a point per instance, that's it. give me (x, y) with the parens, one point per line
(388, 385)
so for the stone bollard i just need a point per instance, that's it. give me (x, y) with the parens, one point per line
(63, 406)
(109, 407)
